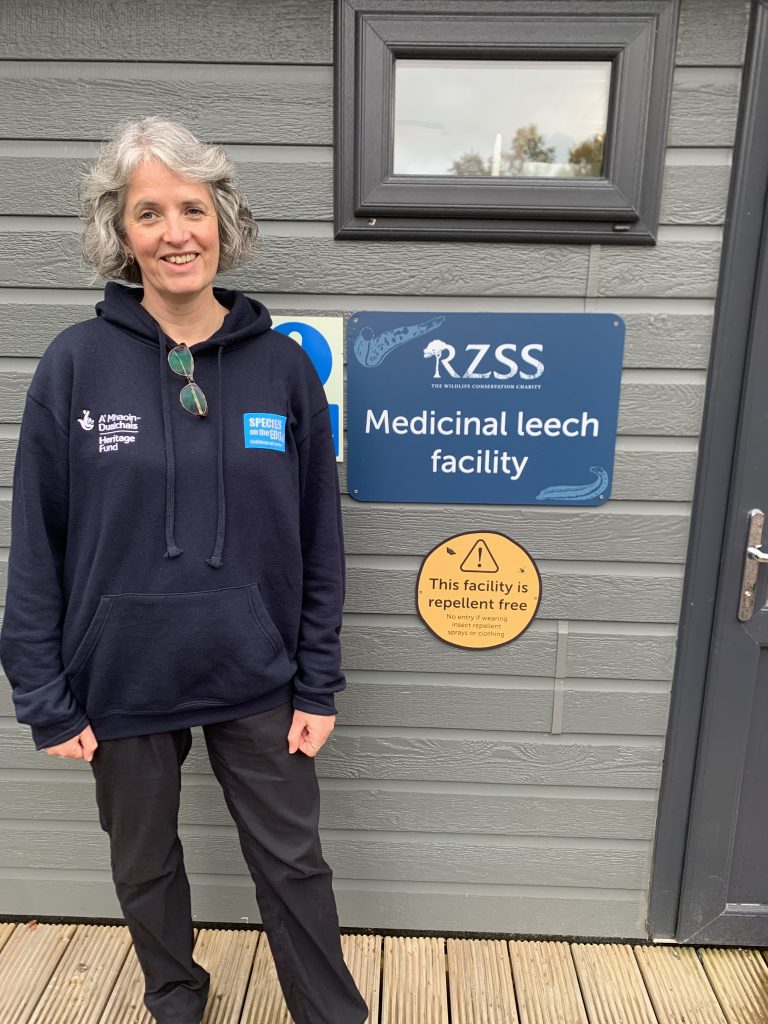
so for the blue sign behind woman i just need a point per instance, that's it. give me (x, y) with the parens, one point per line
(483, 408)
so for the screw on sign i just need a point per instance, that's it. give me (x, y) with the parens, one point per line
(478, 590)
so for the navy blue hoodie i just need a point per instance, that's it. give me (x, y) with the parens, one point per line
(169, 570)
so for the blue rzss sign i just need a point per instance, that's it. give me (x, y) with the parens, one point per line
(475, 408)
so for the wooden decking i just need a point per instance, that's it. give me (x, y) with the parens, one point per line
(88, 974)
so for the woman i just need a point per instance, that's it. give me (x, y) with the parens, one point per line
(177, 560)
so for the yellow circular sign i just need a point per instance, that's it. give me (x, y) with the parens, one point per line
(478, 590)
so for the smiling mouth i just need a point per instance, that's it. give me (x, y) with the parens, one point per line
(186, 257)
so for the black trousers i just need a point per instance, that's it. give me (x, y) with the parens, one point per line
(273, 797)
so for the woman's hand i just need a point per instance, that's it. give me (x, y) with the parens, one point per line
(80, 747)
(308, 732)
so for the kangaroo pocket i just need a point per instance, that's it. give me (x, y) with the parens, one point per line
(158, 653)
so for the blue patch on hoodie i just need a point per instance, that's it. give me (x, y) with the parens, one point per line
(264, 430)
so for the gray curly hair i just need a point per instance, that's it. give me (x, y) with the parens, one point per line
(103, 188)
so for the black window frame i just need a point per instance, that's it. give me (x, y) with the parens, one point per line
(637, 36)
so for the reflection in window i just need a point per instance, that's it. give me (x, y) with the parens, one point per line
(507, 119)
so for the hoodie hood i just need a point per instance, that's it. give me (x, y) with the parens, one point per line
(245, 321)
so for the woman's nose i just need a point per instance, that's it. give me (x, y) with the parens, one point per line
(176, 231)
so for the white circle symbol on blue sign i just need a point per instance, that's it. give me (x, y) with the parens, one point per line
(313, 343)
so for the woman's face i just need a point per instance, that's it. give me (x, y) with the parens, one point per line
(172, 232)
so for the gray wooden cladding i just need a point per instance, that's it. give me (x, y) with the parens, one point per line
(386, 807)
(558, 533)
(270, 104)
(293, 32)
(381, 647)
(407, 905)
(712, 32)
(408, 699)
(277, 190)
(653, 340)
(426, 859)
(50, 258)
(46, 186)
(683, 269)
(407, 755)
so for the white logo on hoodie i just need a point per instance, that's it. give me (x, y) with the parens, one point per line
(87, 422)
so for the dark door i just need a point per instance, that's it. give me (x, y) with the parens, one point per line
(724, 896)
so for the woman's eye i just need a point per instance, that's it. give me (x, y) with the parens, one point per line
(196, 211)
(146, 215)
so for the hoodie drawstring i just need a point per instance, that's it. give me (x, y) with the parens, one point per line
(171, 550)
(215, 560)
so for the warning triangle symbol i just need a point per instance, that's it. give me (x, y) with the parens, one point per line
(479, 559)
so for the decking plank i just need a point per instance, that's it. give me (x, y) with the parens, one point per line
(480, 982)
(228, 956)
(6, 931)
(414, 981)
(126, 1001)
(83, 980)
(362, 954)
(677, 985)
(28, 960)
(264, 1003)
(740, 980)
(546, 983)
(611, 984)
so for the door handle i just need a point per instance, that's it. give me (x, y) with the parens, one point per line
(753, 559)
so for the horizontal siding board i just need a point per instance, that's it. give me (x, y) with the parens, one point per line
(613, 914)
(712, 32)
(556, 533)
(653, 340)
(47, 259)
(47, 187)
(411, 648)
(694, 195)
(386, 859)
(704, 108)
(660, 409)
(55, 795)
(621, 597)
(291, 32)
(412, 703)
(616, 656)
(295, 32)
(277, 104)
(667, 340)
(654, 476)
(615, 713)
(566, 533)
(672, 268)
(535, 761)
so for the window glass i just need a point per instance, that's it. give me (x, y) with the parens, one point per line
(502, 118)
